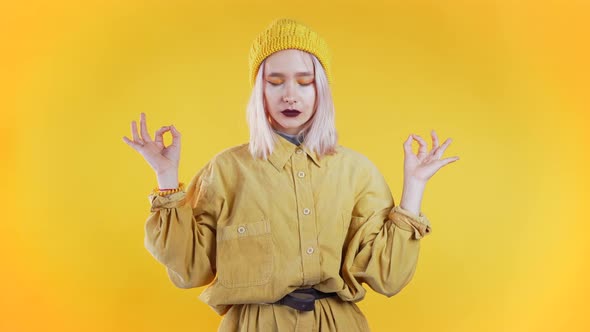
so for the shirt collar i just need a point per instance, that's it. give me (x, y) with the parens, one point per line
(283, 149)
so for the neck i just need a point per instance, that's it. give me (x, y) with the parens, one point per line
(286, 134)
(290, 137)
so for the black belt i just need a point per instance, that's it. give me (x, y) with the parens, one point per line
(303, 298)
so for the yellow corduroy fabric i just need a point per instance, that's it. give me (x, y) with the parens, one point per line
(254, 230)
(287, 33)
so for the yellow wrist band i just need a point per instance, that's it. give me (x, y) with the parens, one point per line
(159, 192)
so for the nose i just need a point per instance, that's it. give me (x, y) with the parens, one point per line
(289, 100)
(290, 94)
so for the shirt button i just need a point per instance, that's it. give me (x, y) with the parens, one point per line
(301, 174)
(306, 211)
(299, 151)
(310, 250)
(241, 229)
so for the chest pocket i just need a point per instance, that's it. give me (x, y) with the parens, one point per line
(245, 254)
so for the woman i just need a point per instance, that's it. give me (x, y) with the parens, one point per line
(285, 229)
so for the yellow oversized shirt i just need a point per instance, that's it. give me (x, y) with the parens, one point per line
(254, 230)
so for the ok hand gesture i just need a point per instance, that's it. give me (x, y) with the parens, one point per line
(162, 159)
(422, 166)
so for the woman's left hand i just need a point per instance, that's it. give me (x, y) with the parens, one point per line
(422, 166)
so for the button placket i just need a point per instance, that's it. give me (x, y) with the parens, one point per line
(308, 232)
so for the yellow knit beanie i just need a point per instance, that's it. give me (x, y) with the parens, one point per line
(287, 33)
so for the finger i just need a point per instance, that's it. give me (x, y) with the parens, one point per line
(441, 150)
(176, 136)
(159, 135)
(438, 164)
(448, 160)
(422, 150)
(134, 131)
(144, 131)
(132, 144)
(408, 145)
(434, 139)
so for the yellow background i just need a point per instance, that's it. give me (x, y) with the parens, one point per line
(506, 80)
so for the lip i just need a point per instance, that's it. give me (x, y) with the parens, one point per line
(291, 113)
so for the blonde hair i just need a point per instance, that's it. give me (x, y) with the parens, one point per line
(319, 132)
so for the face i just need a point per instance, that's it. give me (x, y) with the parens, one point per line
(289, 90)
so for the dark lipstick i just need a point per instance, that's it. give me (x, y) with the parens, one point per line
(291, 113)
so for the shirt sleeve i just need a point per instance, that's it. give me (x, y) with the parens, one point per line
(383, 240)
(180, 231)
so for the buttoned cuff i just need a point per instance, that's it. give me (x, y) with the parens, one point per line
(407, 220)
(166, 202)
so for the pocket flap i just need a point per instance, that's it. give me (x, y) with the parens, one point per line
(244, 229)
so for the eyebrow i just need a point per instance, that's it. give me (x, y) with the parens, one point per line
(302, 73)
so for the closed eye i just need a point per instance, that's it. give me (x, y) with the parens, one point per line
(276, 84)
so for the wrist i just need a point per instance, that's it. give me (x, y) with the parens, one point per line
(412, 194)
(167, 171)
(413, 182)
(168, 180)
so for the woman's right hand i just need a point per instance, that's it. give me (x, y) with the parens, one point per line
(162, 159)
